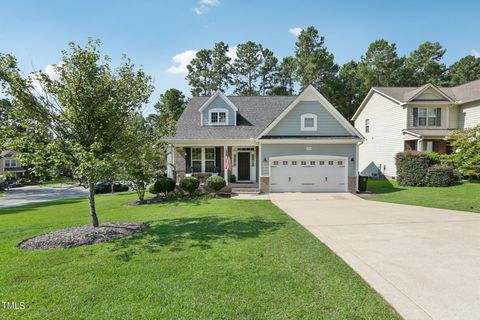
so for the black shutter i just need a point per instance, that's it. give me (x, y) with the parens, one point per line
(439, 117)
(415, 117)
(218, 165)
(188, 162)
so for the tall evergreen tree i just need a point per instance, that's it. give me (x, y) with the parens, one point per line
(464, 70)
(285, 77)
(246, 68)
(200, 74)
(380, 66)
(169, 108)
(424, 66)
(315, 64)
(222, 68)
(348, 96)
(267, 71)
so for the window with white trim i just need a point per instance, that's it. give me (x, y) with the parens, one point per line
(285, 163)
(11, 163)
(197, 159)
(308, 122)
(275, 163)
(367, 125)
(218, 117)
(209, 159)
(203, 159)
(303, 163)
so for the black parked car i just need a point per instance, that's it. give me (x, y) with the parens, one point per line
(106, 187)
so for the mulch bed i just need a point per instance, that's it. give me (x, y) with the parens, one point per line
(82, 235)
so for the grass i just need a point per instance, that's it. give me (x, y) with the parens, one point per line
(464, 197)
(208, 259)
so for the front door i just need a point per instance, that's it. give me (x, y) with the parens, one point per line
(243, 166)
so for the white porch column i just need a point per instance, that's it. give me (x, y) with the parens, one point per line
(225, 172)
(170, 161)
(420, 145)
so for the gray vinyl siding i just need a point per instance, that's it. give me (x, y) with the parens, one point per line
(327, 125)
(276, 150)
(218, 102)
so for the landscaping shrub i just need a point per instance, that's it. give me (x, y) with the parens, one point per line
(233, 178)
(412, 167)
(189, 185)
(441, 175)
(162, 186)
(216, 183)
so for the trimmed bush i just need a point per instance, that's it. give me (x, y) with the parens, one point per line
(441, 175)
(216, 183)
(412, 168)
(162, 186)
(233, 178)
(189, 185)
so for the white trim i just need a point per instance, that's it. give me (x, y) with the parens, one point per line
(307, 141)
(203, 159)
(253, 170)
(213, 142)
(218, 110)
(310, 157)
(324, 102)
(308, 116)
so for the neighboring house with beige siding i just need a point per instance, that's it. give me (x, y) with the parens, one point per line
(395, 119)
(9, 163)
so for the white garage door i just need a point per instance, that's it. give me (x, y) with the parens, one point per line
(308, 174)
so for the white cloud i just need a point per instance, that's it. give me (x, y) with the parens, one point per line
(181, 61)
(475, 53)
(50, 70)
(205, 6)
(232, 53)
(295, 31)
(210, 2)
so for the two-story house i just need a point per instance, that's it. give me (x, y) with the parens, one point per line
(272, 143)
(9, 163)
(395, 119)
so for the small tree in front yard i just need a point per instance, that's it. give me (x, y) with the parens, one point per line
(86, 107)
(466, 151)
(143, 160)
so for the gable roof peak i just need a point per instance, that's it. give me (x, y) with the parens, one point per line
(220, 94)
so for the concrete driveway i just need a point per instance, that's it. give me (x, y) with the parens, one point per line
(425, 262)
(32, 194)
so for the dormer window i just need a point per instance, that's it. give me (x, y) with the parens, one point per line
(218, 117)
(308, 122)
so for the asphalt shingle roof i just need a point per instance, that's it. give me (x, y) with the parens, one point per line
(254, 114)
(462, 93)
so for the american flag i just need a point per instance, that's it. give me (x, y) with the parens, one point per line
(227, 162)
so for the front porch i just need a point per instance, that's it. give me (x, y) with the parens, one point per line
(440, 146)
(205, 161)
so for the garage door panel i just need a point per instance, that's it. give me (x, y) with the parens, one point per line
(323, 175)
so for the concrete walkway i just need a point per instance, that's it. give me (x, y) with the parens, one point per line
(32, 194)
(425, 262)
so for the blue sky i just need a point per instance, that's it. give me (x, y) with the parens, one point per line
(152, 33)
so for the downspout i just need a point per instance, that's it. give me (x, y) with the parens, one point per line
(357, 165)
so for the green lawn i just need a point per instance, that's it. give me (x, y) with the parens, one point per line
(215, 259)
(465, 197)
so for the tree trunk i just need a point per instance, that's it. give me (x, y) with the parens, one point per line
(91, 201)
